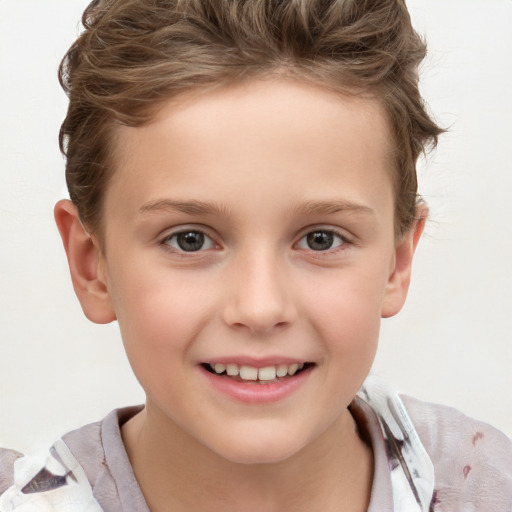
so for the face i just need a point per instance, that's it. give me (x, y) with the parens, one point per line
(249, 235)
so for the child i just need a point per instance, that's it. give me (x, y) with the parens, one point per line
(244, 203)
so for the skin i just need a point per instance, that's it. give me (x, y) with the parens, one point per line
(272, 161)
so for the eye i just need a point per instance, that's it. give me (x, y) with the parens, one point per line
(321, 240)
(190, 240)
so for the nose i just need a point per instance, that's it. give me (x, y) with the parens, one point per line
(260, 297)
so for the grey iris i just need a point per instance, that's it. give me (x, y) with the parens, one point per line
(190, 241)
(320, 240)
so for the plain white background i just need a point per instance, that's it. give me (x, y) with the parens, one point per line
(451, 344)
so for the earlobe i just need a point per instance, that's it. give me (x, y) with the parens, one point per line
(85, 264)
(400, 278)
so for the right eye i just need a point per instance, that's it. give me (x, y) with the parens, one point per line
(189, 240)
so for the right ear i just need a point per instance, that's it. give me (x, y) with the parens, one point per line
(86, 264)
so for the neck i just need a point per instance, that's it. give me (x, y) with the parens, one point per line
(175, 472)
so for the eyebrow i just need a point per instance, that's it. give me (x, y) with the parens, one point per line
(332, 207)
(192, 207)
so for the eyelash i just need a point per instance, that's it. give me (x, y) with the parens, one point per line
(165, 241)
(343, 245)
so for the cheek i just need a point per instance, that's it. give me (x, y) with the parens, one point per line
(348, 303)
(159, 314)
(346, 318)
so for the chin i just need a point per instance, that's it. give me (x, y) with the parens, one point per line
(254, 449)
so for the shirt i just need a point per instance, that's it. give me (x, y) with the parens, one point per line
(427, 457)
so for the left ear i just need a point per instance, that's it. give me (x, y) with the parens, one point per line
(400, 278)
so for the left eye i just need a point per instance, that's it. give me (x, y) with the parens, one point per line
(320, 240)
(189, 241)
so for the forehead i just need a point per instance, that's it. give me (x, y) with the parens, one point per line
(256, 137)
(303, 109)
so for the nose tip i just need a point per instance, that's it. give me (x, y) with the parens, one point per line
(260, 301)
(259, 319)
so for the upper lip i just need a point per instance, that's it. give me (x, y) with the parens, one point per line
(255, 362)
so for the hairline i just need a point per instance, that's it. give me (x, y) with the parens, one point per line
(150, 114)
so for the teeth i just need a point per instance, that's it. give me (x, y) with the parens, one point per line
(219, 368)
(266, 373)
(232, 370)
(248, 373)
(292, 369)
(282, 370)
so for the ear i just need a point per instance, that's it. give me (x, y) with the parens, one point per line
(400, 278)
(86, 264)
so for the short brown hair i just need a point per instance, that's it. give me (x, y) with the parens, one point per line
(135, 54)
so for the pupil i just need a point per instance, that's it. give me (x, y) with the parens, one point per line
(191, 241)
(320, 240)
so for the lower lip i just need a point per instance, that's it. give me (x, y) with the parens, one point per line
(254, 393)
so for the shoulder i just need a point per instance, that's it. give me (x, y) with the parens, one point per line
(472, 460)
(7, 458)
(97, 448)
(84, 443)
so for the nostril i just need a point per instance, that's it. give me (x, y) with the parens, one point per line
(260, 305)
(260, 326)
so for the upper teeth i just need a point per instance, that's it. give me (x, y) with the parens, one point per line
(252, 373)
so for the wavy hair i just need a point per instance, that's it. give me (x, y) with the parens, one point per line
(133, 55)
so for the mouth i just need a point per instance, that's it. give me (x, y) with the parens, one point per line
(250, 374)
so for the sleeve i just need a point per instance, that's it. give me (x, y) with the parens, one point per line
(51, 480)
(7, 458)
(472, 460)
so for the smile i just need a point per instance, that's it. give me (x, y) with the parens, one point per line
(262, 383)
(266, 374)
